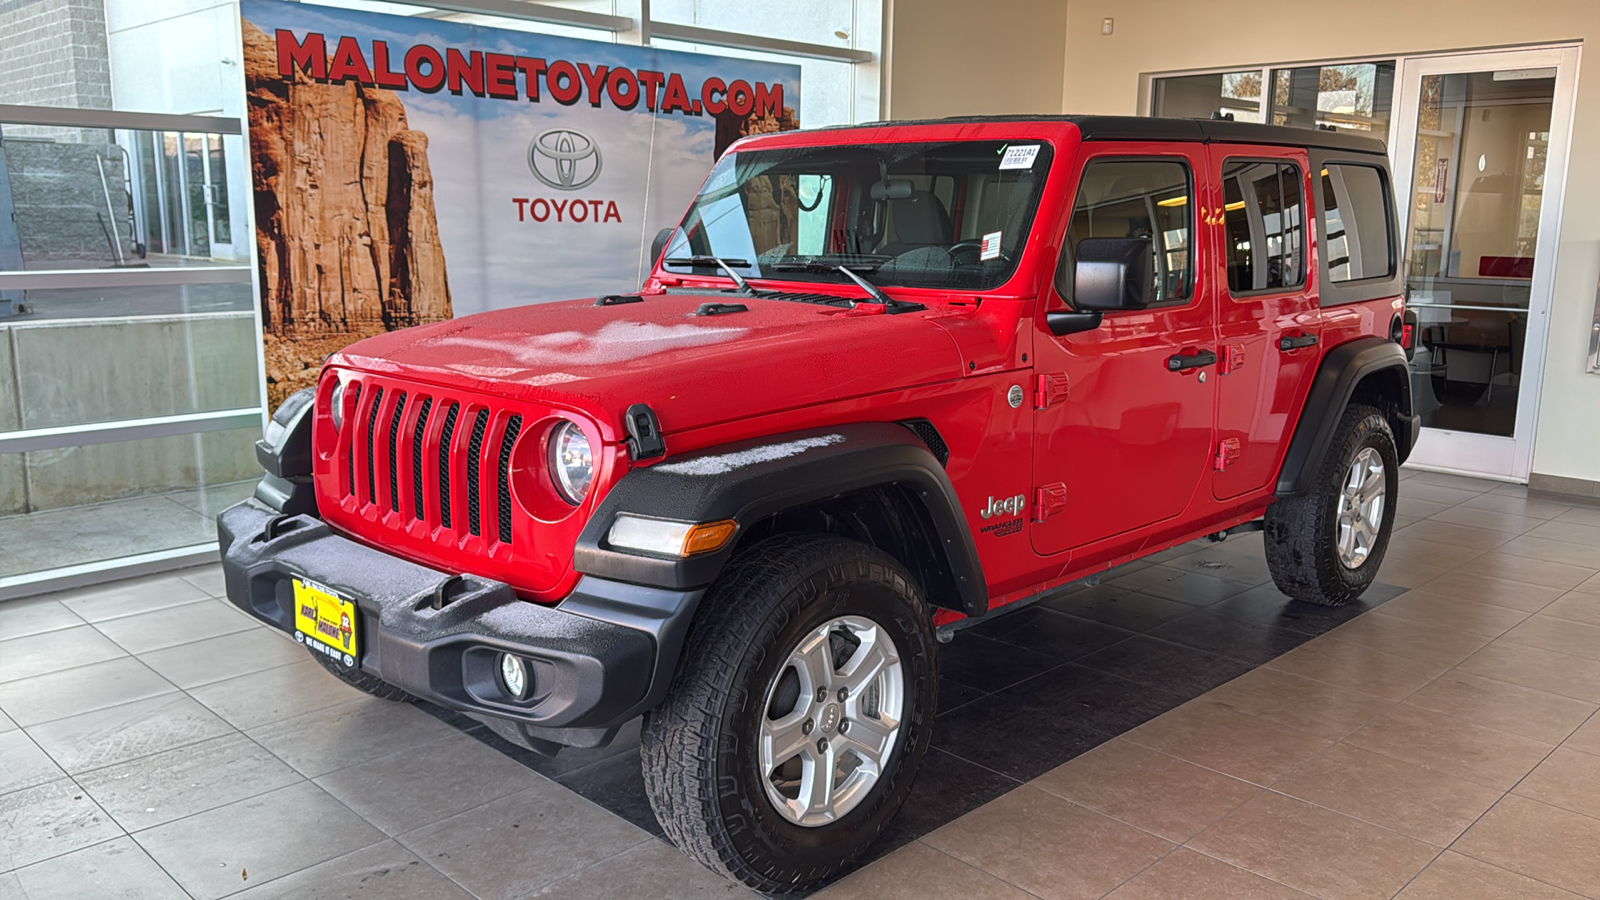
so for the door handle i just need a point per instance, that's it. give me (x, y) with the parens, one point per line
(1298, 342)
(1180, 361)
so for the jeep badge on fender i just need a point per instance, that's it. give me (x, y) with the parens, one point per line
(819, 348)
(1008, 506)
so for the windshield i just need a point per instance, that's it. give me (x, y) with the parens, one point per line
(952, 214)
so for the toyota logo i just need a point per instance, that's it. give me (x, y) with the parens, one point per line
(564, 159)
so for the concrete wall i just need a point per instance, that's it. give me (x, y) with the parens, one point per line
(1109, 74)
(53, 53)
(956, 57)
(73, 371)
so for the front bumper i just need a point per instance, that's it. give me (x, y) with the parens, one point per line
(603, 655)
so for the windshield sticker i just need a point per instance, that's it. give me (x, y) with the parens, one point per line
(991, 246)
(1019, 157)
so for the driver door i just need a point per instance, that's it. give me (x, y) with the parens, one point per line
(1124, 412)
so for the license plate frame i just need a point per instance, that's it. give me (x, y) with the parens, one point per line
(326, 622)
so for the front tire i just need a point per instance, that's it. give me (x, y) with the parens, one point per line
(1325, 546)
(799, 715)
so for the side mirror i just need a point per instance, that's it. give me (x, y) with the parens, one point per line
(658, 245)
(1113, 274)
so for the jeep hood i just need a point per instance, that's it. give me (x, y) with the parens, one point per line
(693, 370)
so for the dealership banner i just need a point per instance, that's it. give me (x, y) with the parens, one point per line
(407, 170)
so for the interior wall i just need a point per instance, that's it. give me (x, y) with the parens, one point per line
(1109, 75)
(955, 57)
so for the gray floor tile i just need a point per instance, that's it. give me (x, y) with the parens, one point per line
(118, 869)
(485, 850)
(274, 694)
(54, 651)
(653, 869)
(348, 734)
(220, 851)
(23, 764)
(421, 785)
(20, 618)
(206, 578)
(175, 625)
(214, 498)
(6, 724)
(159, 788)
(385, 871)
(130, 597)
(49, 820)
(128, 731)
(84, 534)
(45, 698)
(225, 656)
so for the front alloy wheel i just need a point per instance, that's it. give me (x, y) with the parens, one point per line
(832, 720)
(799, 714)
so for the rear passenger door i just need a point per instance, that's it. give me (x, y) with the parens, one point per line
(1268, 319)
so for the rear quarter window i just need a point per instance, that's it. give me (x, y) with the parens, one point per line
(1358, 223)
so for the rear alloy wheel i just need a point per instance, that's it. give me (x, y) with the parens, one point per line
(799, 714)
(1325, 546)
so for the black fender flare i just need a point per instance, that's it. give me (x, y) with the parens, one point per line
(750, 481)
(1342, 369)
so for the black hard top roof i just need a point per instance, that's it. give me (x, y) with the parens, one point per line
(1144, 128)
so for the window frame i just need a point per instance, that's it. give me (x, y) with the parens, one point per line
(1304, 270)
(1065, 265)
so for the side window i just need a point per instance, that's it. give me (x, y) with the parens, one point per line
(1356, 218)
(1139, 198)
(1263, 224)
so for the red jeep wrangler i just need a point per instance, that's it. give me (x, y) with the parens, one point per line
(883, 380)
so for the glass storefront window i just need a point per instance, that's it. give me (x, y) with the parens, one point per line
(1354, 96)
(1199, 96)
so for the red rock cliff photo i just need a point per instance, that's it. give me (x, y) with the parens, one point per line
(346, 234)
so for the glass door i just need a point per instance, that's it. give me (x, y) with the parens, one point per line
(1481, 148)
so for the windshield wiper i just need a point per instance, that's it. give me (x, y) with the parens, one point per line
(725, 265)
(849, 271)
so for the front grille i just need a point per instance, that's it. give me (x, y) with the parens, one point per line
(394, 443)
(416, 453)
(445, 443)
(474, 448)
(406, 455)
(513, 428)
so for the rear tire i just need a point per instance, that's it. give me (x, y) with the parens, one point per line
(718, 783)
(1325, 546)
(361, 681)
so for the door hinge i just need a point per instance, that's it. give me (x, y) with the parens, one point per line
(1227, 452)
(1232, 359)
(1049, 500)
(1048, 389)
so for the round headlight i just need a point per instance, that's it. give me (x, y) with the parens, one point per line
(336, 405)
(571, 463)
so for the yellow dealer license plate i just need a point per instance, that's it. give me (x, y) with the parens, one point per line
(325, 622)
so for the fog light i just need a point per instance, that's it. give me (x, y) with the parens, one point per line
(514, 675)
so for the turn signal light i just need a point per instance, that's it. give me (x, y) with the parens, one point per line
(666, 537)
(709, 536)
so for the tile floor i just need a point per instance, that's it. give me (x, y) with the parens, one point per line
(1178, 731)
